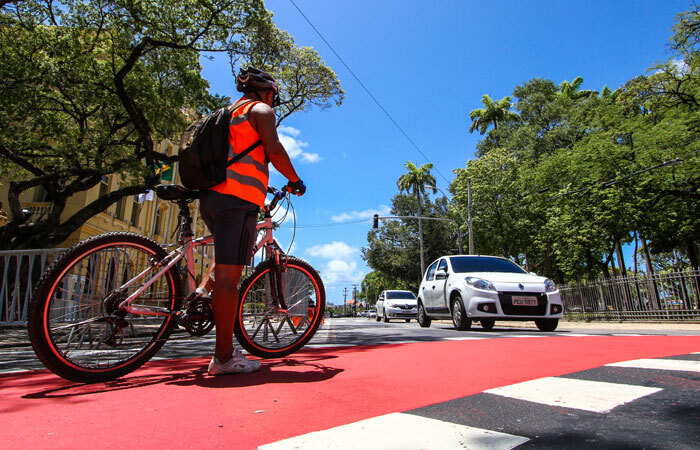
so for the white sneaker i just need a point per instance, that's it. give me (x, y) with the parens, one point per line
(237, 364)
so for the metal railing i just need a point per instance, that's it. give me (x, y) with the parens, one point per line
(21, 270)
(662, 296)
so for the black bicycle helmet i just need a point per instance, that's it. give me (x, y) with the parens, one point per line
(252, 79)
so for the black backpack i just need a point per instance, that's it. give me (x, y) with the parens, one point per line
(203, 151)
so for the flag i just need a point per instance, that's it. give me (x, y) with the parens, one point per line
(165, 170)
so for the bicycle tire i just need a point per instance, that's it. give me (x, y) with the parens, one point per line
(264, 330)
(72, 318)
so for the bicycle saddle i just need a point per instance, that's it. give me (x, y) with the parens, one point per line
(173, 192)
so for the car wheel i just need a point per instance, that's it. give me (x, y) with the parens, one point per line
(459, 315)
(487, 324)
(547, 324)
(378, 318)
(423, 319)
(408, 320)
(386, 319)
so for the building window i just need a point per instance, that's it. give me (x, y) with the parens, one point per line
(104, 186)
(40, 194)
(158, 224)
(121, 206)
(135, 213)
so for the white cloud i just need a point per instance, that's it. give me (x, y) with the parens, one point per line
(295, 147)
(335, 251)
(357, 215)
(341, 271)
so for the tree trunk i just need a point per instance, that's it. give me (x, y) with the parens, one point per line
(420, 235)
(620, 258)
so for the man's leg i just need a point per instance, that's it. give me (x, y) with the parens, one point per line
(208, 282)
(225, 303)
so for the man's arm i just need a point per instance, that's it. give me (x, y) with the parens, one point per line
(262, 119)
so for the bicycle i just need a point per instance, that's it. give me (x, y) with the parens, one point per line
(111, 301)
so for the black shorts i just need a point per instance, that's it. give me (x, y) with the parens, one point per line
(232, 222)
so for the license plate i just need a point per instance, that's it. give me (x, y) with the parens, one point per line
(524, 301)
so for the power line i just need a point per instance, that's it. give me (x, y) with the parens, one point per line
(368, 91)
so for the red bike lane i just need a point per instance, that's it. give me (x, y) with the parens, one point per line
(175, 404)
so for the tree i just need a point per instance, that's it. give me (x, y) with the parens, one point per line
(89, 88)
(571, 90)
(493, 113)
(416, 180)
(393, 249)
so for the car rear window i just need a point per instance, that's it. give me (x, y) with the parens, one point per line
(404, 295)
(462, 264)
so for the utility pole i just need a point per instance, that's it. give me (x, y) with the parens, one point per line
(345, 298)
(354, 297)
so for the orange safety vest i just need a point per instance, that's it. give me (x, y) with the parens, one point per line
(247, 178)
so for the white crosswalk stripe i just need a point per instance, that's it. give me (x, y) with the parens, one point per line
(661, 364)
(596, 396)
(414, 432)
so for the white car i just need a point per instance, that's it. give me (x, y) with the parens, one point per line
(466, 288)
(396, 304)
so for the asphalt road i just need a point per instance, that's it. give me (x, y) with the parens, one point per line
(16, 353)
(396, 385)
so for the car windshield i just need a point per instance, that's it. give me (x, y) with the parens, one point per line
(462, 264)
(404, 295)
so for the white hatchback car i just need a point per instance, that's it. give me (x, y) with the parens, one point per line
(486, 288)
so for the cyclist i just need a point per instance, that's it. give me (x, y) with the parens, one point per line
(230, 209)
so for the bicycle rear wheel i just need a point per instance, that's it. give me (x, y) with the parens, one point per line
(266, 330)
(75, 324)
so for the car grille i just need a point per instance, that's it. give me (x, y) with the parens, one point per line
(404, 306)
(509, 309)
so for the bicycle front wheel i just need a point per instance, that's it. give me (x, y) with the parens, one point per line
(263, 326)
(75, 324)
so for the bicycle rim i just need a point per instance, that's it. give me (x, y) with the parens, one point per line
(85, 329)
(266, 330)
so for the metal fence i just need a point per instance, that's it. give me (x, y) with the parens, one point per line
(663, 296)
(21, 270)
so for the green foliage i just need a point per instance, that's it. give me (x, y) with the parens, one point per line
(89, 87)
(581, 173)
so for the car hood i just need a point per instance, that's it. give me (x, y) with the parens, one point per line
(511, 281)
(402, 301)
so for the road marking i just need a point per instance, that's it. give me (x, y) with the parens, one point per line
(527, 335)
(465, 338)
(399, 431)
(596, 396)
(661, 364)
(627, 334)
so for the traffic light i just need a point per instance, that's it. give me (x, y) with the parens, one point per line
(375, 221)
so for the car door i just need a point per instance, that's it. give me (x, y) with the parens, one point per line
(428, 289)
(440, 282)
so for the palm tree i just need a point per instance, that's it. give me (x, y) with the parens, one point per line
(416, 180)
(493, 113)
(570, 90)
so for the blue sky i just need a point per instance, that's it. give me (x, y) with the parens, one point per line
(429, 64)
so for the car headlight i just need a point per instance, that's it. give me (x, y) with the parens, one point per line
(549, 285)
(480, 283)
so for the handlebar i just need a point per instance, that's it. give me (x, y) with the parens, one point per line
(276, 196)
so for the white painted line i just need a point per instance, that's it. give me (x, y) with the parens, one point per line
(587, 395)
(527, 335)
(661, 364)
(575, 335)
(466, 338)
(400, 431)
(627, 334)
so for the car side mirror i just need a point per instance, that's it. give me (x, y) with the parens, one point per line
(440, 274)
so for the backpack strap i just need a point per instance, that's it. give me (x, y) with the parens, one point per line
(232, 108)
(244, 152)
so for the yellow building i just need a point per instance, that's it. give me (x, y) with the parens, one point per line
(151, 217)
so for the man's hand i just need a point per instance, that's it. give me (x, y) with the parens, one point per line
(298, 187)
